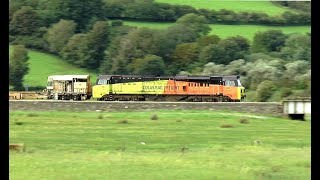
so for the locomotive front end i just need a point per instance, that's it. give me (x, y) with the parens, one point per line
(233, 88)
(241, 90)
(101, 88)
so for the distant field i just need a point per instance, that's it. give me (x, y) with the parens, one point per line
(156, 25)
(42, 65)
(249, 31)
(237, 6)
(224, 31)
(179, 145)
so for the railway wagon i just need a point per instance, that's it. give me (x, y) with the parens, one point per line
(26, 95)
(168, 88)
(66, 87)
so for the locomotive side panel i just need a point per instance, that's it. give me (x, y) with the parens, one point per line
(98, 91)
(146, 87)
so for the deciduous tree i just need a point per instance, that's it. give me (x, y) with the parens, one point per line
(59, 34)
(184, 55)
(97, 39)
(297, 47)
(25, 21)
(18, 66)
(149, 65)
(76, 50)
(268, 41)
(197, 23)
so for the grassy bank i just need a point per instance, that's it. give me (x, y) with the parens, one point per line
(178, 145)
(43, 65)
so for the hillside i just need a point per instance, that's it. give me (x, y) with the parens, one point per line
(237, 6)
(223, 31)
(42, 65)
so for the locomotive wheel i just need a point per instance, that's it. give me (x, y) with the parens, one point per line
(83, 98)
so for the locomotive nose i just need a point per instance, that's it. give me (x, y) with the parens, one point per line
(243, 90)
(243, 96)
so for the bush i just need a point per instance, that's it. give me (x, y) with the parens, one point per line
(227, 126)
(123, 122)
(121, 148)
(116, 23)
(32, 115)
(184, 148)
(19, 123)
(154, 117)
(285, 92)
(265, 90)
(244, 121)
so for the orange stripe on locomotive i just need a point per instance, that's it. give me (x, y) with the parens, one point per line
(193, 88)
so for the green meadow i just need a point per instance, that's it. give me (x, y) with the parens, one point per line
(43, 65)
(248, 31)
(237, 6)
(177, 145)
(223, 31)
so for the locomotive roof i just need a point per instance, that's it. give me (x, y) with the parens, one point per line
(68, 77)
(231, 77)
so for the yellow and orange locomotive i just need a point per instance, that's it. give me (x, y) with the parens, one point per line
(168, 88)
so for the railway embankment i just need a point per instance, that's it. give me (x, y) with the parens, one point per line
(273, 108)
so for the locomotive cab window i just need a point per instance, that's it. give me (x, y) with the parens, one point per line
(239, 83)
(102, 81)
(50, 83)
(229, 83)
(80, 80)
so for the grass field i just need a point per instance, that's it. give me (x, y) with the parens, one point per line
(237, 6)
(42, 65)
(224, 31)
(179, 145)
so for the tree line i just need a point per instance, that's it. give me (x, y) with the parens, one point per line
(150, 10)
(86, 12)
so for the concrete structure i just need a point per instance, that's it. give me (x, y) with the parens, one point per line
(297, 108)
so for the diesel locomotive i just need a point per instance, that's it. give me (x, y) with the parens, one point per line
(140, 88)
(168, 88)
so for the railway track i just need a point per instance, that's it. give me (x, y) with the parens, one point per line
(95, 101)
(79, 106)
